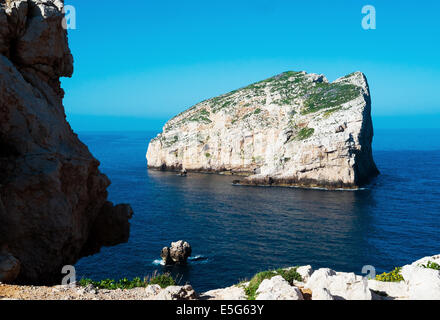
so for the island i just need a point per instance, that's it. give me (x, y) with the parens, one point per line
(293, 129)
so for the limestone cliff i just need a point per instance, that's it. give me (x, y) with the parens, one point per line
(53, 199)
(291, 129)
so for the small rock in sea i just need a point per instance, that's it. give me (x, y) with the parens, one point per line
(183, 172)
(178, 253)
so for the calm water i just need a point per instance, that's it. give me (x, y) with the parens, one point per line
(242, 230)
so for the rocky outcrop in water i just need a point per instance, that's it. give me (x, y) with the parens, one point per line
(178, 253)
(292, 129)
(53, 199)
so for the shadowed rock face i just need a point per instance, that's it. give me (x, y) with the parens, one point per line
(292, 129)
(53, 199)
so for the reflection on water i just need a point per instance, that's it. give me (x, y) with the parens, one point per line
(242, 230)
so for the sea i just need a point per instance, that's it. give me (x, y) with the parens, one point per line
(237, 231)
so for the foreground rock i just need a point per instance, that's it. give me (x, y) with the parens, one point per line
(230, 293)
(53, 199)
(292, 129)
(178, 253)
(152, 292)
(323, 284)
(339, 285)
(277, 288)
(176, 293)
(423, 283)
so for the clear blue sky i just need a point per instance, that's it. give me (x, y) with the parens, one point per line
(138, 63)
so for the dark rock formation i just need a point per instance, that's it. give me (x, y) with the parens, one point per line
(53, 199)
(9, 268)
(178, 253)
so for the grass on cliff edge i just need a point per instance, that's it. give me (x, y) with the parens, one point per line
(163, 280)
(289, 275)
(395, 276)
(432, 265)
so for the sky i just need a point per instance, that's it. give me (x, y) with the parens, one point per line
(141, 62)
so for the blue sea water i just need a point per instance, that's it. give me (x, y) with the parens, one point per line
(239, 231)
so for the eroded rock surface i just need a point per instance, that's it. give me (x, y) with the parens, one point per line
(53, 199)
(230, 293)
(277, 288)
(423, 282)
(178, 253)
(291, 129)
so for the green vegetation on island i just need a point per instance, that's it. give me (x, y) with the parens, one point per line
(302, 93)
(305, 133)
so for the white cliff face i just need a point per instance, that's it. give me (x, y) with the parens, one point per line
(292, 129)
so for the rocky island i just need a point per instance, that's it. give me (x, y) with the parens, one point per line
(294, 129)
(53, 199)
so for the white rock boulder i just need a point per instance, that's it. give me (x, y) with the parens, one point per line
(230, 293)
(423, 283)
(305, 272)
(322, 294)
(390, 290)
(340, 285)
(277, 288)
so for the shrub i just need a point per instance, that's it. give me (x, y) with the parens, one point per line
(163, 280)
(329, 95)
(290, 275)
(305, 133)
(393, 276)
(432, 265)
(254, 283)
(111, 284)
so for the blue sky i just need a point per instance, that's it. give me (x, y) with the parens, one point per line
(140, 63)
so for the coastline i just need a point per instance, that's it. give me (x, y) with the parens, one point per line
(417, 281)
(249, 180)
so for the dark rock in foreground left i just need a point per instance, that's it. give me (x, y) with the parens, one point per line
(53, 198)
(9, 268)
